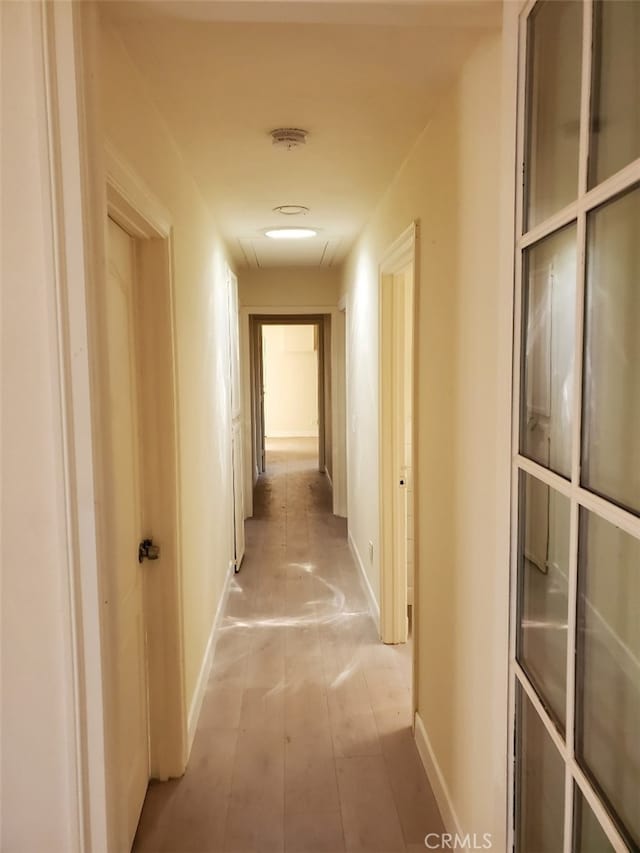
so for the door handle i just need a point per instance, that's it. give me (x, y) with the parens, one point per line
(148, 551)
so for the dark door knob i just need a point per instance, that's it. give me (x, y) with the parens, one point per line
(148, 551)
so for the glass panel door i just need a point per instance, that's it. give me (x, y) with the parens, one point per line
(540, 804)
(575, 656)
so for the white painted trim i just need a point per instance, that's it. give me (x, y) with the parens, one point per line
(374, 607)
(503, 686)
(207, 660)
(436, 778)
(400, 255)
(133, 206)
(293, 433)
(249, 472)
(401, 252)
(68, 136)
(128, 195)
(338, 412)
(328, 476)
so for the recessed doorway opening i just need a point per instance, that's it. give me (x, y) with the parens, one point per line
(290, 361)
(290, 382)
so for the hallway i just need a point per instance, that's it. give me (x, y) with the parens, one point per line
(304, 740)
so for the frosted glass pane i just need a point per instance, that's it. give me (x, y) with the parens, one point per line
(588, 835)
(542, 591)
(611, 420)
(553, 107)
(540, 781)
(608, 667)
(548, 341)
(615, 119)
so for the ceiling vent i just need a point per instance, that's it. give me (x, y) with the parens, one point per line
(291, 210)
(289, 137)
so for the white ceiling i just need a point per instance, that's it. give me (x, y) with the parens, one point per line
(362, 77)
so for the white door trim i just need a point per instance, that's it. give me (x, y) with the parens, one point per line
(131, 203)
(136, 209)
(235, 407)
(69, 187)
(393, 596)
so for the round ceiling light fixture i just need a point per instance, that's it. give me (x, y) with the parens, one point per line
(291, 209)
(289, 137)
(290, 233)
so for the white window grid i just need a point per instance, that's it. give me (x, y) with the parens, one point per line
(579, 497)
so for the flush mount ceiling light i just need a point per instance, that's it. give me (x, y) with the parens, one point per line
(289, 137)
(291, 209)
(290, 233)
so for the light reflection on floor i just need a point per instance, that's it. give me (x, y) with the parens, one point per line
(304, 739)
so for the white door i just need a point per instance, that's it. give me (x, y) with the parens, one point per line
(127, 635)
(236, 422)
(401, 396)
(396, 496)
(575, 565)
(238, 494)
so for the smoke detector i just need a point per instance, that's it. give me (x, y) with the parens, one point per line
(289, 137)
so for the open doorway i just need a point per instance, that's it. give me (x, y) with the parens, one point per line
(291, 386)
(290, 363)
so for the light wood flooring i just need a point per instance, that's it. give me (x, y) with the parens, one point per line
(304, 742)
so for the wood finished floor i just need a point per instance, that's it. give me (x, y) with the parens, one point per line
(304, 742)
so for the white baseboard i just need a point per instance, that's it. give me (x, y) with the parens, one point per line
(328, 475)
(293, 433)
(374, 607)
(207, 661)
(436, 778)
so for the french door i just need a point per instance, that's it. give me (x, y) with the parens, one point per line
(575, 621)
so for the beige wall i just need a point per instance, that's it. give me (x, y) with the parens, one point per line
(138, 135)
(450, 184)
(290, 381)
(39, 798)
(288, 287)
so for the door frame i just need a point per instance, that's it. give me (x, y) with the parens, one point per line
(587, 199)
(81, 184)
(85, 182)
(235, 407)
(393, 580)
(256, 416)
(139, 213)
(338, 410)
(74, 191)
(257, 322)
